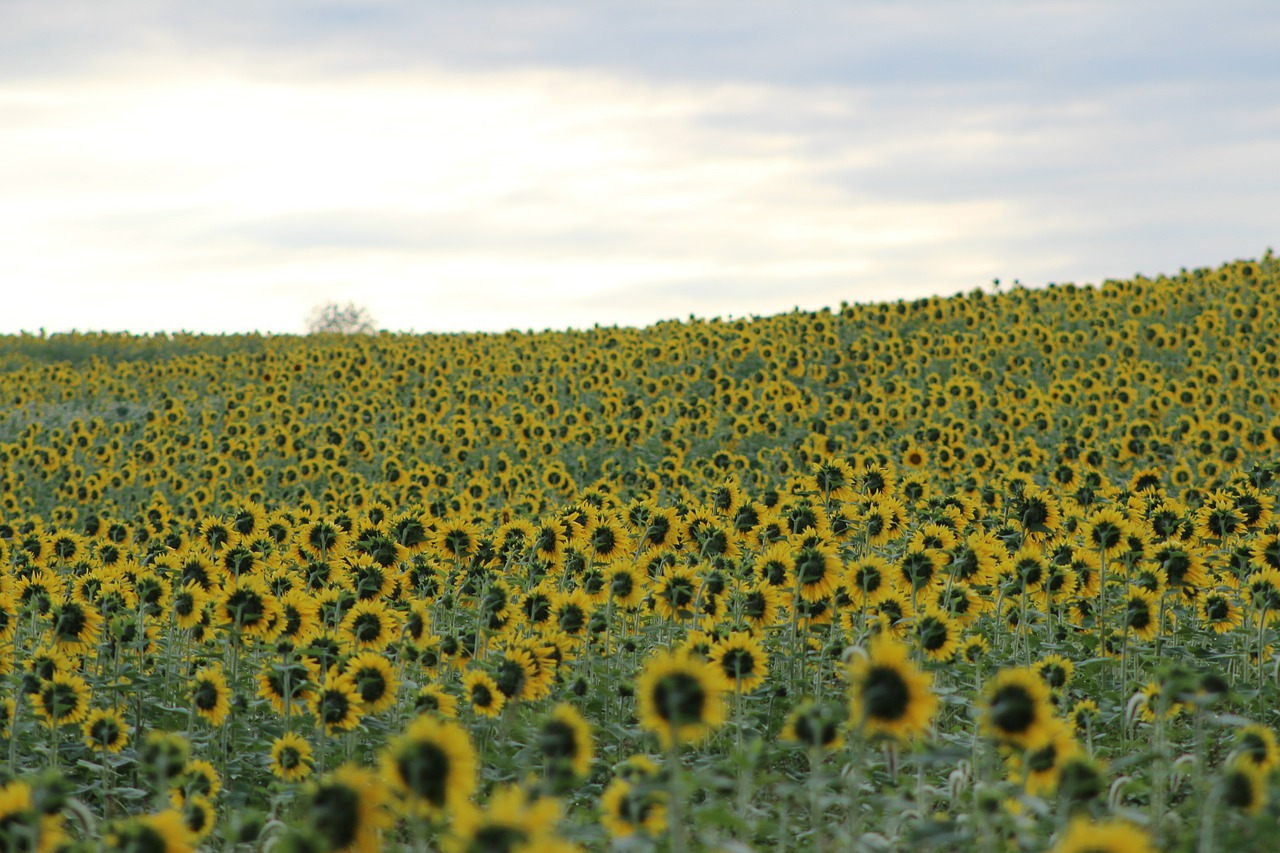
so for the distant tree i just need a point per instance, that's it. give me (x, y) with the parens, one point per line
(349, 319)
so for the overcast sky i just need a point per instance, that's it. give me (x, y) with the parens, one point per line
(485, 165)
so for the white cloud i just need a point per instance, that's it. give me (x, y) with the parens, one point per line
(211, 182)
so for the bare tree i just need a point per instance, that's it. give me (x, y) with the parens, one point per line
(349, 319)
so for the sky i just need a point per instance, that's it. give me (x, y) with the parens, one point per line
(498, 164)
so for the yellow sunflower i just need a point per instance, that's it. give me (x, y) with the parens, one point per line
(679, 698)
(432, 766)
(291, 757)
(888, 695)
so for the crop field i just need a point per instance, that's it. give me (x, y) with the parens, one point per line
(993, 572)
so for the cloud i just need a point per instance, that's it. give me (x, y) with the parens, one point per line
(226, 167)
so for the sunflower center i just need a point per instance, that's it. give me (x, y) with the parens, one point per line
(679, 699)
(246, 605)
(558, 740)
(885, 694)
(424, 768)
(336, 813)
(371, 685)
(366, 627)
(811, 568)
(497, 838)
(1013, 710)
(933, 634)
(71, 621)
(1139, 615)
(1238, 790)
(738, 663)
(205, 696)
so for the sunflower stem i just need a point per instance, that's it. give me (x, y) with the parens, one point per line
(679, 838)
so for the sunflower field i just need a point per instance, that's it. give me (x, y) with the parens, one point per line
(993, 572)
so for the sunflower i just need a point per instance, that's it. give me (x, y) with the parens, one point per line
(292, 679)
(482, 693)
(888, 695)
(301, 615)
(974, 649)
(814, 726)
(1038, 514)
(741, 662)
(1084, 835)
(885, 521)
(572, 612)
(775, 565)
(8, 616)
(1244, 787)
(337, 706)
(291, 757)
(607, 538)
(188, 604)
(432, 766)
(631, 807)
(62, 699)
(1157, 700)
(164, 754)
(1256, 745)
(198, 813)
(625, 584)
(835, 480)
(1262, 589)
(1105, 531)
(679, 698)
(370, 625)
(550, 538)
(165, 832)
(247, 606)
(455, 540)
(347, 809)
(866, 577)
(373, 678)
(105, 730)
(19, 818)
(1040, 763)
(758, 604)
(1220, 610)
(1081, 779)
(433, 699)
(815, 570)
(1055, 670)
(566, 745)
(210, 695)
(73, 627)
(512, 821)
(321, 538)
(1015, 708)
(199, 777)
(937, 634)
(675, 592)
